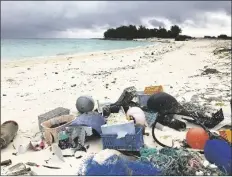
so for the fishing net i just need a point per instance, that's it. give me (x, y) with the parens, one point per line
(116, 165)
(177, 162)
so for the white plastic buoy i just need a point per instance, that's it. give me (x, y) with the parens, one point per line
(138, 115)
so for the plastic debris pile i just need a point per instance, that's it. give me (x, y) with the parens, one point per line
(121, 127)
(177, 162)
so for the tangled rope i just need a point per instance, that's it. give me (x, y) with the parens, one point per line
(177, 162)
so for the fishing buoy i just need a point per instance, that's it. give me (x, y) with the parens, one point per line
(196, 138)
(84, 104)
(137, 114)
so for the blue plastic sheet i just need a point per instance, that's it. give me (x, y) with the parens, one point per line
(91, 119)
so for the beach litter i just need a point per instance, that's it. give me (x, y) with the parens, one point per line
(51, 114)
(121, 127)
(9, 130)
(19, 169)
(74, 136)
(85, 104)
(111, 162)
(55, 125)
(219, 152)
(173, 161)
(6, 162)
(197, 137)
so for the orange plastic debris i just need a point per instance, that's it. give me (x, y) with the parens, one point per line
(196, 138)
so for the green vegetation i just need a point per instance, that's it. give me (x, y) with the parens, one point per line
(132, 32)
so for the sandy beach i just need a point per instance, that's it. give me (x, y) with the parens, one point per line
(33, 87)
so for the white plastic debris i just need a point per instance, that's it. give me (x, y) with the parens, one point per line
(199, 173)
(206, 163)
(120, 129)
(57, 151)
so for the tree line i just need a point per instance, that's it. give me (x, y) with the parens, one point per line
(132, 32)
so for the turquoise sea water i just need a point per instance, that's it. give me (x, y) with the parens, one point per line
(28, 48)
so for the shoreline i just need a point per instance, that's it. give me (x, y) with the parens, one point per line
(32, 88)
(78, 55)
(149, 43)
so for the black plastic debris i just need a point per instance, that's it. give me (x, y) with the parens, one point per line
(166, 105)
(163, 103)
(168, 120)
(125, 101)
(207, 121)
(6, 162)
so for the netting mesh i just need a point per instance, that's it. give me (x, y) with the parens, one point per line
(177, 162)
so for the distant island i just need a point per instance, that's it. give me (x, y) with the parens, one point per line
(131, 32)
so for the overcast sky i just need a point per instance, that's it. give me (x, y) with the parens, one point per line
(62, 19)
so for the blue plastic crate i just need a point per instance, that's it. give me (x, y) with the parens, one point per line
(128, 143)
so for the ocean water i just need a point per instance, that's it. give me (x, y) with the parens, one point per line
(30, 48)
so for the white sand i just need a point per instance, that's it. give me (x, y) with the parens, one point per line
(31, 92)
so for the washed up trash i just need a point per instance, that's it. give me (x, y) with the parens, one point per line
(35, 146)
(126, 97)
(125, 100)
(163, 103)
(90, 119)
(18, 169)
(131, 142)
(171, 122)
(20, 172)
(9, 130)
(227, 134)
(176, 162)
(166, 106)
(51, 167)
(53, 126)
(150, 119)
(57, 151)
(153, 89)
(64, 140)
(143, 96)
(51, 114)
(32, 164)
(6, 162)
(111, 163)
(84, 104)
(209, 122)
(117, 118)
(219, 152)
(101, 105)
(196, 138)
(120, 129)
(74, 137)
(137, 114)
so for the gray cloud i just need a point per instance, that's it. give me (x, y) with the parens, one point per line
(156, 23)
(43, 18)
